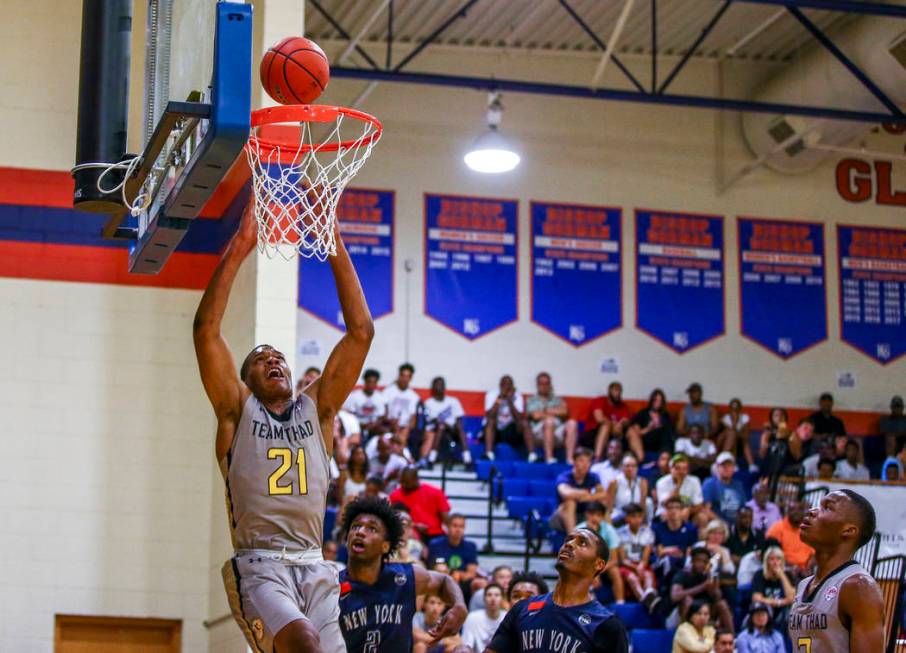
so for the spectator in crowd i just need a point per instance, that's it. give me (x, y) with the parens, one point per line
(764, 511)
(548, 421)
(824, 421)
(699, 582)
(374, 487)
(526, 585)
(443, 423)
(772, 586)
(346, 434)
(481, 624)
(575, 488)
(673, 537)
(700, 451)
(786, 531)
(627, 487)
(850, 469)
(411, 548)
(722, 493)
(608, 417)
(734, 434)
(652, 428)
(789, 450)
(428, 505)
(367, 404)
(401, 401)
(824, 448)
(353, 478)
(430, 616)
(716, 533)
(697, 411)
(827, 469)
(385, 461)
(680, 483)
(310, 375)
(778, 421)
(501, 575)
(743, 538)
(760, 636)
(596, 520)
(455, 552)
(893, 427)
(695, 634)
(634, 556)
(609, 468)
(724, 641)
(329, 552)
(504, 412)
(892, 469)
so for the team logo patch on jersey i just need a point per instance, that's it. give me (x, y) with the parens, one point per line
(345, 588)
(258, 629)
(830, 593)
(535, 605)
(400, 579)
(584, 619)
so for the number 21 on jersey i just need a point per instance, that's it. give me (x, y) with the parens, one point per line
(274, 487)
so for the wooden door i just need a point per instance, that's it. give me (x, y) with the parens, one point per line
(78, 634)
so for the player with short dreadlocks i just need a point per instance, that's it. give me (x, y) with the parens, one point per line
(377, 598)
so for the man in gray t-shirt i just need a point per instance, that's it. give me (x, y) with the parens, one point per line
(274, 452)
(549, 422)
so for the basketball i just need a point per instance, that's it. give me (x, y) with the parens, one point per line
(295, 71)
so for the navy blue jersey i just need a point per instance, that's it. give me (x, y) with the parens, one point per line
(378, 618)
(537, 624)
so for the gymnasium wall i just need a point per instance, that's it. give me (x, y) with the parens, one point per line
(611, 154)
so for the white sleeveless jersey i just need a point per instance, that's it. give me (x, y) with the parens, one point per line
(814, 623)
(277, 478)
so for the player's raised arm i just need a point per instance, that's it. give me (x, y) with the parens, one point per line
(443, 586)
(215, 361)
(861, 602)
(346, 360)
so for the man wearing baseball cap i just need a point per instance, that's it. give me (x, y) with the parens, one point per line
(679, 483)
(893, 426)
(724, 494)
(697, 411)
(759, 635)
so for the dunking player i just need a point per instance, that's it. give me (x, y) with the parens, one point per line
(565, 620)
(840, 608)
(377, 598)
(273, 452)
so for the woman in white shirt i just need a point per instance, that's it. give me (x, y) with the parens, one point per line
(353, 477)
(628, 487)
(734, 434)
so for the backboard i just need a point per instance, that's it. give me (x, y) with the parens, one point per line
(195, 123)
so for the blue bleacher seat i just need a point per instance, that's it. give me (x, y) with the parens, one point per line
(505, 452)
(651, 641)
(634, 615)
(330, 521)
(520, 506)
(515, 487)
(544, 489)
(483, 468)
(527, 470)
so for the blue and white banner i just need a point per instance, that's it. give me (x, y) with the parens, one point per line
(576, 280)
(781, 265)
(471, 283)
(366, 224)
(679, 277)
(873, 290)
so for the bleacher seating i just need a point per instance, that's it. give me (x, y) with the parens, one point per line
(644, 640)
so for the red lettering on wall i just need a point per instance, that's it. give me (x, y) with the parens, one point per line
(854, 180)
(884, 176)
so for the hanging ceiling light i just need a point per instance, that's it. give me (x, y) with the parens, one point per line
(491, 152)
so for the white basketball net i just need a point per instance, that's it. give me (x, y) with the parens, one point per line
(297, 188)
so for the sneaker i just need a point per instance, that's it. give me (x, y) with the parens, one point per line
(466, 458)
(532, 457)
(432, 456)
(489, 455)
(551, 461)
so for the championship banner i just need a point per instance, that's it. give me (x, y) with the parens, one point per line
(470, 263)
(576, 280)
(366, 224)
(679, 277)
(781, 265)
(889, 502)
(872, 264)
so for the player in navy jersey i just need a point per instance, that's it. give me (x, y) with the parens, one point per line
(566, 620)
(377, 598)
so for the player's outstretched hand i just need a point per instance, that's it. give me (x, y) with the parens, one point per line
(450, 624)
(246, 237)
